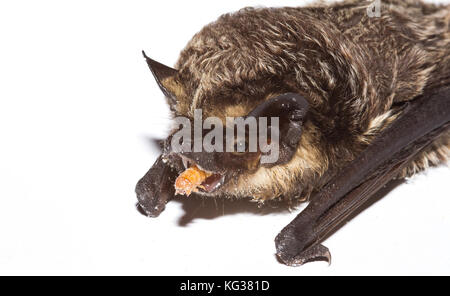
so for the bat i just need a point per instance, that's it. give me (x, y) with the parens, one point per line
(360, 99)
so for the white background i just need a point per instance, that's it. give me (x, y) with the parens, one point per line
(78, 106)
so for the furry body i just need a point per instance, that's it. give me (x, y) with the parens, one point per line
(353, 70)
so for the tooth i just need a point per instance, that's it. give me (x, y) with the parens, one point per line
(185, 163)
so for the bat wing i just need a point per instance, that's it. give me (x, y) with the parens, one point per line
(421, 121)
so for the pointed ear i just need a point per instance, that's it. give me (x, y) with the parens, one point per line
(164, 76)
(291, 110)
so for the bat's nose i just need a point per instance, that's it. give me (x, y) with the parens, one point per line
(209, 161)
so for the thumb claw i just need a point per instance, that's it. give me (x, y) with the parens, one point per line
(316, 252)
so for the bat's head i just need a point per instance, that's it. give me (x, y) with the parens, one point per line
(302, 75)
(245, 137)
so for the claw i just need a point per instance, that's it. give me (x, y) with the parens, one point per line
(315, 253)
(292, 248)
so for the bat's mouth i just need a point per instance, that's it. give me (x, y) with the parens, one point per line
(212, 183)
(203, 181)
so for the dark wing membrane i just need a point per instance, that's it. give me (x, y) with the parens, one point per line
(422, 121)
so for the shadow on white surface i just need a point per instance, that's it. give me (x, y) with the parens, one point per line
(196, 207)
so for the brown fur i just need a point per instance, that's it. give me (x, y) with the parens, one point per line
(351, 68)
